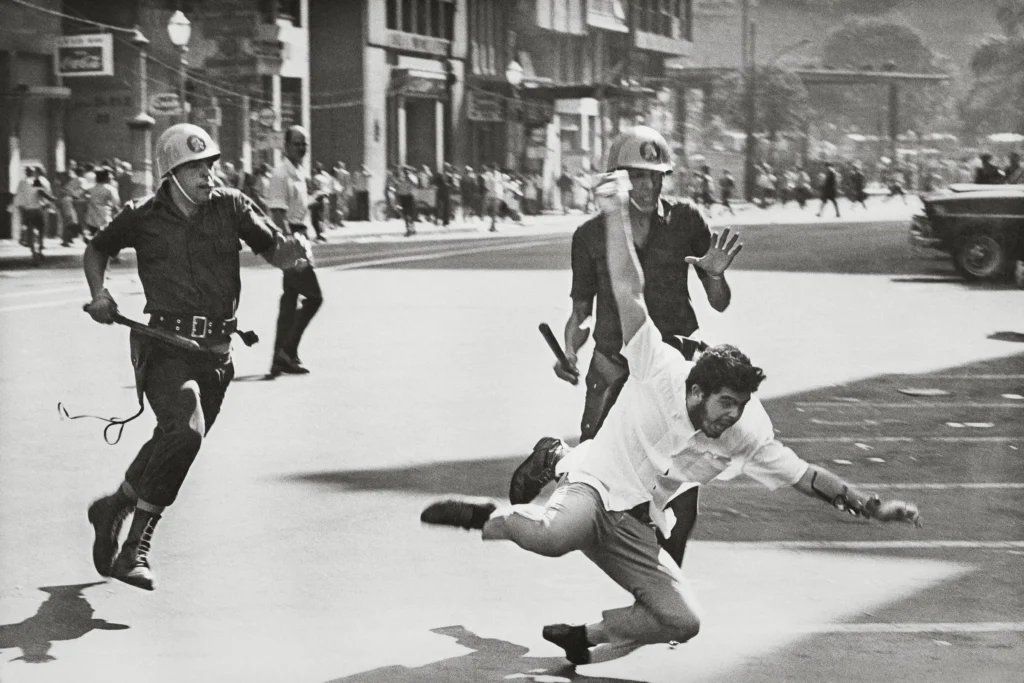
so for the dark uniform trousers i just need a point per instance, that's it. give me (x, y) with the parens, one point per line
(605, 378)
(185, 391)
(292, 320)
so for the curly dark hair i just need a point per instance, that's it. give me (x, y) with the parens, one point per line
(725, 366)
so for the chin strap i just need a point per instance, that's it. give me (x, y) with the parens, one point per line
(175, 179)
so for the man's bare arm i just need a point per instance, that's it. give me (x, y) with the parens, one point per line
(623, 264)
(818, 482)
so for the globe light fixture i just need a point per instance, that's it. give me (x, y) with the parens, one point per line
(179, 29)
(514, 74)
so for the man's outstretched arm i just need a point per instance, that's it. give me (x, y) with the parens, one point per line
(818, 482)
(623, 264)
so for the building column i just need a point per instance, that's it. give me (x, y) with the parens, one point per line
(401, 132)
(439, 134)
(275, 97)
(246, 135)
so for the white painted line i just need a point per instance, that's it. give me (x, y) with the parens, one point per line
(47, 304)
(912, 627)
(900, 439)
(933, 404)
(41, 292)
(434, 255)
(866, 545)
(962, 377)
(916, 486)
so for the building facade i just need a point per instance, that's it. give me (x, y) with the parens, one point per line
(387, 83)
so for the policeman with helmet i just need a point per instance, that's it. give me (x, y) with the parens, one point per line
(669, 236)
(187, 239)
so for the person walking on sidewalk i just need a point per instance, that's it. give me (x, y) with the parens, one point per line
(288, 201)
(677, 423)
(726, 186)
(829, 188)
(187, 238)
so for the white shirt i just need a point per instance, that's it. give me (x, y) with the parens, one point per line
(649, 451)
(288, 191)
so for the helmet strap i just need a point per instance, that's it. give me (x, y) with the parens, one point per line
(182, 190)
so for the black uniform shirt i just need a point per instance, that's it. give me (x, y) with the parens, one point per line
(678, 230)
(189, 266)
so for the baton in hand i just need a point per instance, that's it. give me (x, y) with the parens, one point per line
(162, 335)
(556, 349)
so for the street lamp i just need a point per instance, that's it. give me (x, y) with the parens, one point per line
(515, 74)
(179, 30)
(142, 124)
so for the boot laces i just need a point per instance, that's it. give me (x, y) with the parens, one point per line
(141, 556)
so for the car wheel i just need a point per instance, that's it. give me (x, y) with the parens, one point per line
(980, 256)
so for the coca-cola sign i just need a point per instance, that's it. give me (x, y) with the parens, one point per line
(85, 55)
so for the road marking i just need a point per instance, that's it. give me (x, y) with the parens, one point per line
(961, 377)
(916, 486)
(900, 439)
(45, 304)
(40, 292)
(434, 255)
(933, 404)
(913, 627)
(867, 545)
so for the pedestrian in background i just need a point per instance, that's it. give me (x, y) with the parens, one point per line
(405, 188)
(103, 202)
(1014, 172)
(565, 188)
(288, 201)
(192, 288)
(858, 186)
(361, 191)
(468, 190)
(988, 173)
(68, 189)
(726, 186)
(829, 188)
(343, 189)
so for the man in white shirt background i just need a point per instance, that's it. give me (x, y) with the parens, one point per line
(676, 424)
(288, 203)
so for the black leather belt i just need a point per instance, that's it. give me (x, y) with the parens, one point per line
(195, 326)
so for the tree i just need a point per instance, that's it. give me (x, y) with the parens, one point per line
(995, 101)
(781, 104)
(878, 45)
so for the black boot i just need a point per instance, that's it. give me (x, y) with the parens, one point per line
(132, 563)
(107, 516)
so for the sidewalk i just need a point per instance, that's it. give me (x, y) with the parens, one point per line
(13, 254)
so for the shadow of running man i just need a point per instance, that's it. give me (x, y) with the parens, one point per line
(491, 660)
(65, 615)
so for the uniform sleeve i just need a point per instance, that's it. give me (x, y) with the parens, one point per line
(584, 268)
(277, 193)
(700, 232)
(254, 227)
(118, 233)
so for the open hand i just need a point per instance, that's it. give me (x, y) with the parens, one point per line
(719, 257)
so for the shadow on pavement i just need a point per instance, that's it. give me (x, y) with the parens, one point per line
(1008, 336)
(491, 660)
(65, 615)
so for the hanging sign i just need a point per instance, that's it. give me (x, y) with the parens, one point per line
(85, 55)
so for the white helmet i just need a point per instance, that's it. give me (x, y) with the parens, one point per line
(640, 147)
(182, 143)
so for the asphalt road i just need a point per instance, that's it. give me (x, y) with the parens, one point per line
(294, 552)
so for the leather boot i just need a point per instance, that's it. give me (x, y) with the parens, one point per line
(107, 516)
(132, 563)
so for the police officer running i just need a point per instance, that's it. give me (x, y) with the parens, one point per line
(288, 201)
(186, 237)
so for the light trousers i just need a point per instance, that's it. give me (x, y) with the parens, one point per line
(625, 549)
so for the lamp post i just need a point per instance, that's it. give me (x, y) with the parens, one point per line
(142, 125)
(179, 30)
(514, 74)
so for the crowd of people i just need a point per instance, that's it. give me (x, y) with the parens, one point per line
(828, 181)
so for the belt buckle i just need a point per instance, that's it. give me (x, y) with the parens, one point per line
(197, 322)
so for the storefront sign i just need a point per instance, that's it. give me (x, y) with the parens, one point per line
(165, 104)
(412, 42)
(483, 106)
(85, 55)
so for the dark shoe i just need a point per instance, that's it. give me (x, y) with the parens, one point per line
(465, 514)
(107, 516)
(132, 563)
(534, 473)
(286, 364)
(572, 639)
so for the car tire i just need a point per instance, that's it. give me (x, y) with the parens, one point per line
(981, 255)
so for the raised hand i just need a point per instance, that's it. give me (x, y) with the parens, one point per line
(719, 257)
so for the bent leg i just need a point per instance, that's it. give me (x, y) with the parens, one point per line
(666, 607)
(570, 521)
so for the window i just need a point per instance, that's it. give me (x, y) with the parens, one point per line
(667, 18)
(392, 18)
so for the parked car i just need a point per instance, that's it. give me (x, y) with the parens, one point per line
(980, 226)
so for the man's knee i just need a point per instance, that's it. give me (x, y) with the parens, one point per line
(679, 626)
